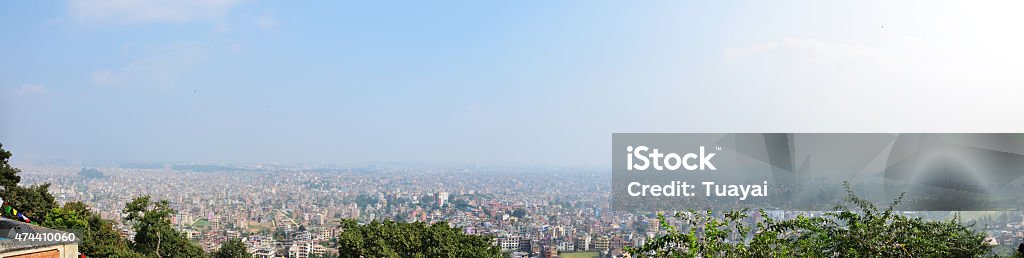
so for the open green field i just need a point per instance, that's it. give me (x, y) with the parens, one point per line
(579, 255)
(201, 223)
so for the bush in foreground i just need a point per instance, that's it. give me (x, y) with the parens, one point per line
(866, 232)
(417, 239)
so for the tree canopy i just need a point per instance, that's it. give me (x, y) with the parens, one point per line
(8, 175)
(519, 213)
(98, 236)
(154, 235)
(417, 239)
(865, 232)
(34, 201)
(91, 173)
(233, 248)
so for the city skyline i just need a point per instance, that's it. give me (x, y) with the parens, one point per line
(248, 128)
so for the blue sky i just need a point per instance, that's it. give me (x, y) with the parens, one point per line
(478, 82)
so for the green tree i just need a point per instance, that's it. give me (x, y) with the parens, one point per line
(865, 232)
(70, 217)
(460, 204)
(98, 237)
(9, 177)
(154, 235)
(33, 201)
(519, 213)
(418, 239)
(233, 248)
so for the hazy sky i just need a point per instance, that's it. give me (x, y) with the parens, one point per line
(487, 82)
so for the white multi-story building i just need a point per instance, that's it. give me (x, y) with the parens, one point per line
(566, 246)
(442, 197)
(509, 243)
(583, 243)
(603, 243)
(300, 249)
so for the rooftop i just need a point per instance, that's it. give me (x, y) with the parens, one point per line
(32, 237)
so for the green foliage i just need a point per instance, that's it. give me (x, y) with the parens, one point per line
(154, 235)
(34, 201)
(70, 217)
(1008, 251)
(866, 232)
(364, 200)
(91, 173)
(9, 177)
(233, 248)
(98, 237)
(874, 233)
(460, 204)
(519, 213)
(418, 239)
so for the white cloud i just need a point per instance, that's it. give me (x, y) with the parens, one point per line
(907, 60)
(161, 68)
(29, 89)
(913, 83)
(104, 77)
(141, 11)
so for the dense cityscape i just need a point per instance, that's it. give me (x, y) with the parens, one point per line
(294, 211)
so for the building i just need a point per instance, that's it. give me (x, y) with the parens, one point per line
(583, 243)
(617, 243)
(442, 198)
(602, 243)
(526, 244)
(509, 243)
(320, 250)
(566, 246)
(265, 251)
(56, 244)
(301, 249)
(550, 251)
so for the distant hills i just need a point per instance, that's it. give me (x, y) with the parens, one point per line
(143, 165)
(91, 173)
(206, 168)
